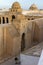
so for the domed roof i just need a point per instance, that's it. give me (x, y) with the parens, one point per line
(16, 8)
(33, 7)
(16, 4)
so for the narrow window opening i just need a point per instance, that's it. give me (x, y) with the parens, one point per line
(3, 20)
(0, 20)
(7, 20)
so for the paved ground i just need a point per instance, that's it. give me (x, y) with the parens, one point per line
(28, 57)
(25, 60)
(35, 50)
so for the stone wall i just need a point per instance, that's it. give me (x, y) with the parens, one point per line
(38, 30)
(28, 40)
(9, 43)
(13, 44)
(2, 42)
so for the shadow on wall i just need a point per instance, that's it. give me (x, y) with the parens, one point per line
(23, 42)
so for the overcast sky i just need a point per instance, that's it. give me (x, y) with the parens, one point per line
(24, 3)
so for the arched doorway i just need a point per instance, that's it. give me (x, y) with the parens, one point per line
(23, 42)
(13, 17)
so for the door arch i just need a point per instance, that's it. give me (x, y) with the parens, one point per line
(13, 17)
(23, 42)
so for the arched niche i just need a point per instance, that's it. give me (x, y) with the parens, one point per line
(3, 20)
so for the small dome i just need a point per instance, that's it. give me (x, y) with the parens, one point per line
(33, 7)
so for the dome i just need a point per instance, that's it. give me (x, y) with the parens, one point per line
(33, 7)
(16, 4)
(16, 7)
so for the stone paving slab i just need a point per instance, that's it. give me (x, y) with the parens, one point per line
(35, 50)
(25, 60)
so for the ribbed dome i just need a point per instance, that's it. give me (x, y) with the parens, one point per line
(16, 4)
(16, 7)
(33, 7)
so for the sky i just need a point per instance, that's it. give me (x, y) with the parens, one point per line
(25, 4)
